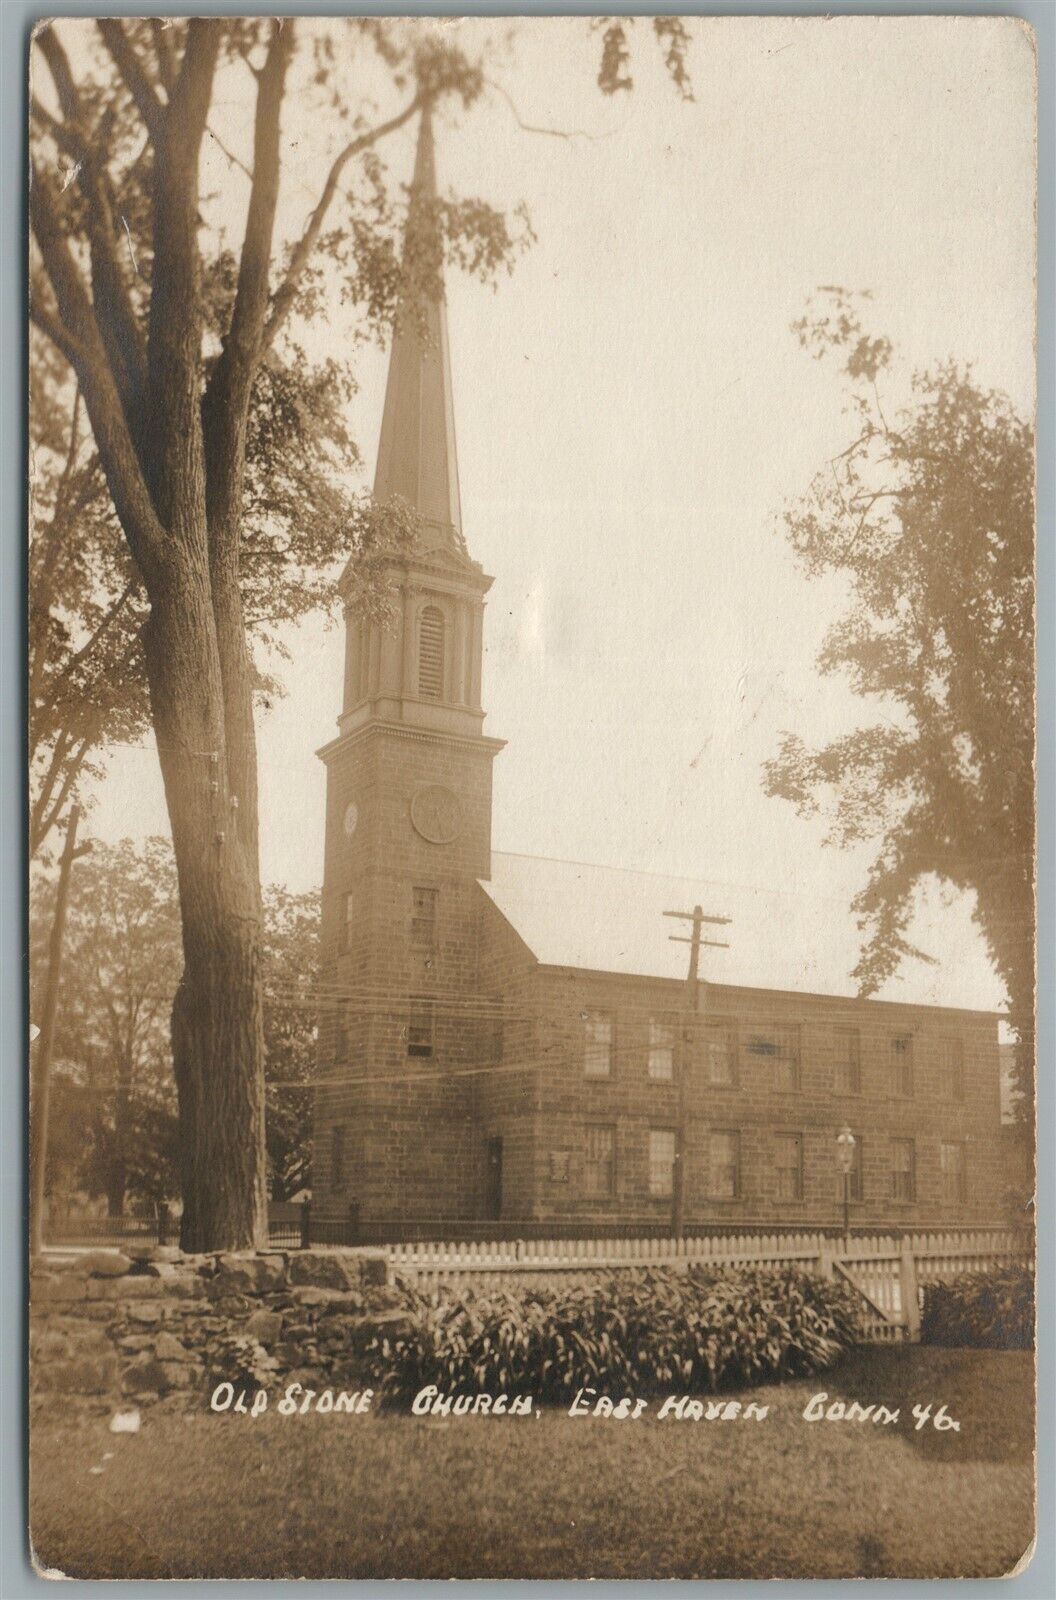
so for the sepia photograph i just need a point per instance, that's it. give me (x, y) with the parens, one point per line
(530, 659)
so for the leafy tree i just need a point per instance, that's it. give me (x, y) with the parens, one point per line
(929, 516)
(291, 958)
(114, 1121)
(86, 686)
(114, 1092)
(183, 348)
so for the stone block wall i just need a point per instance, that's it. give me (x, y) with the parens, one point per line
(158, 1323)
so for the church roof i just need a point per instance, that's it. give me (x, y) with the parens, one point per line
(416, 451)
(607, 919)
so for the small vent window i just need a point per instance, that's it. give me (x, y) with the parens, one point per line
(431, 654)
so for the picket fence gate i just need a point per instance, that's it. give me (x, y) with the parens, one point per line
(888, 1271)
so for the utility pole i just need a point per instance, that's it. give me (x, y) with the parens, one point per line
(38, 1118)
(695, 941)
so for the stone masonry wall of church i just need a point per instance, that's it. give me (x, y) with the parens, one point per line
(407, 1147)
(760, 1113)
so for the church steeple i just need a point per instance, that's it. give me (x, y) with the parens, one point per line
(422, 665)
(408, 826)
(416, 451)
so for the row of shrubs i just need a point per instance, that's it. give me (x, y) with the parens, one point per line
(986, 1310)
(635, 1332)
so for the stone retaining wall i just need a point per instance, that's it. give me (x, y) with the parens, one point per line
(156, 1322)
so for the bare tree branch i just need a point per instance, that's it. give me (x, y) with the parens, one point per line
(76, 334)
(167, 69)
(227, 399)
(528, 127)
(50, 324)
(47, 42)
(115, 315)
(287, 290)
(130, 67)
(174, 350)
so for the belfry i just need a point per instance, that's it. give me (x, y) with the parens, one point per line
(506, 1043)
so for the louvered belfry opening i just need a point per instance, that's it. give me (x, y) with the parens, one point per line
(431, 654)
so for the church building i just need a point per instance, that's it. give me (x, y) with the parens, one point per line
(514, 1042)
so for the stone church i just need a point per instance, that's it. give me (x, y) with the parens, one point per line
(513, 1042)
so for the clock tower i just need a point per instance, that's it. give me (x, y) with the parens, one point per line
(408, 832)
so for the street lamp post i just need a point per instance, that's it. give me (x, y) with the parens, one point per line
(845, 1142)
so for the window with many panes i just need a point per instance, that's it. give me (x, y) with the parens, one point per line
(661, 1048)
(788, 1165)
(949, 1055)
(720, 1054)
(724, 1164)
(421, 1028)
(337, 1157)
(779, 1046)
(903, 1169)
(855, 1184)
(900, 1059)
(951, 1166)
(661, 1163)
(599, 1161)
(424, 904)
(847, 1061)
(597, 1044)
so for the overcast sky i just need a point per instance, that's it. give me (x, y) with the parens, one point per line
(632, 413)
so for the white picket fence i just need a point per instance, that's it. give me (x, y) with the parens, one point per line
(888, 1270)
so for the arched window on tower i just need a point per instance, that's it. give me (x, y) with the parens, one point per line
(431, 654)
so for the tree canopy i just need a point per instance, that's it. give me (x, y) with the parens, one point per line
(930, 517)
(114, 1109)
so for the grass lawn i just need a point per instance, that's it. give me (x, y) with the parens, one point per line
(551, 1496)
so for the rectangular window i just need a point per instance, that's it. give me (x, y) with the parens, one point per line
(788, 1164)
(599, 1160)
(900, 1054)
(779, 1046)
(337, 1157)
(344, 932)
(341, 1031)
(421, 1028)
(724, 1165)
(720, 1054)
(855, 1186)
(951, 1161)
(423, 917)
(661, 1049)
(597, 1044)
(950, 1060)
(661, 1163)
(903, 1170)
(847, 1061)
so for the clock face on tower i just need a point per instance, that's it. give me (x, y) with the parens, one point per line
(351, 818)
(436, 814)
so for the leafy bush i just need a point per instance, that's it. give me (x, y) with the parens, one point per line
(989, 1310)
(635, 1332)
(239, 1359)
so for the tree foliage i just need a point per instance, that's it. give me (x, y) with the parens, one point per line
(114, 1114)
(291, 953)
(929, 517)
(114, 1091)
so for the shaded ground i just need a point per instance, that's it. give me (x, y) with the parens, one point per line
(545, 1496)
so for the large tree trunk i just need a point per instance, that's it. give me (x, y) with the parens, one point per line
(217, 1018)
